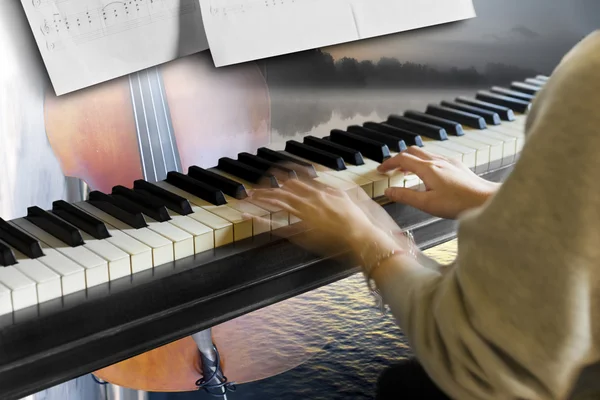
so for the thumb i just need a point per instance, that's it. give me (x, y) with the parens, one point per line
(406, 196)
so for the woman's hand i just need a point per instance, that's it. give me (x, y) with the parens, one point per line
(451, 187)
(336, 220)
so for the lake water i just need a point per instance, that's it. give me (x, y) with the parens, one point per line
(360, 343)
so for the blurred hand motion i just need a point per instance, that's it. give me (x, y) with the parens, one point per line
(451, 187)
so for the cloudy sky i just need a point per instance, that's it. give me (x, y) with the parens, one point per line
(528, 33)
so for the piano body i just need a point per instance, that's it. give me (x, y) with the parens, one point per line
(157, 247)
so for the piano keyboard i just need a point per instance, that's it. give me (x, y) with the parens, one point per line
(49, 254)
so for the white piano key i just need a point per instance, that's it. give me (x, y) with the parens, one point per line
(204, 236)
(96, 268)
(468, 155)
(48, 283)
(482, 151)
(242, 226)
(509, 147)
(183, 242)
(162, 248)
(72, 274)
(223, 229)
(119, 264)
(5, 300)
(261, 224)
(23, 291)
(379, 181)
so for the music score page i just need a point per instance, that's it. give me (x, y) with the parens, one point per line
(85, 42)
(244, 30)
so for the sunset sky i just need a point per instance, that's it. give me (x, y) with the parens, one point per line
(504, 31)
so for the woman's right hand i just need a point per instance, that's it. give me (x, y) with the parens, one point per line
(451, 187)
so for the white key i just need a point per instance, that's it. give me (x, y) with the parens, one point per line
(23, 291)
(509, 147)
(72, 274)
(5, 300)
(242, 226)
(223, 229)
(379, 181)
(47, 281)
(162, 248)
(262, 224)
(204, 236)
(468, 154)
(518, 134)
(119, 264)
(183, 242)
(96, 269)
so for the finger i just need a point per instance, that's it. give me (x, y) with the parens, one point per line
(421, 153)
(281, 196)
(409, 197)
(405, 162)
(299, 188)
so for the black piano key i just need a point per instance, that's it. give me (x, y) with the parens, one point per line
(525, 88)
(7, 257)
(315, 155)
(266, 165)
(20, 240)
(349, 155)
(505, 113)
(517, 105)
(79, 218)
(226, 185)
(173, 201)
(421, 128)
(392, 142)
(512, 93)
(371, 149)
(410, 138)
(117, 208)
(146, 204)
(54, 226)
(464, 118)
(247, 173)
(197, 188)
(490, 117)
(303, 169)
(451, 127)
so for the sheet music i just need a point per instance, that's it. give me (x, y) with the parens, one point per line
(243, 30)
(85, 42)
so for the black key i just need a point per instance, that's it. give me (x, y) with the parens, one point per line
(265, 165)
(525, 88)
(464, 118)
(55, 226)
(490, 117)
(451, 127)
(421, 128)
(303, 169)
(505, 113)
(247, 173)
(226, 185)
(20, 240)
(7, 257)
(369, 148)
(173, 201)
(197, 188)
(315, 155)
(517, 105)
(349, 155)
(392, 142)
(410, 138)
(118, 209)
(512, 93)
(146, 204)
(79, 218)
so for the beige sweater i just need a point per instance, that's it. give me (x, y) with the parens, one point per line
(517, 315)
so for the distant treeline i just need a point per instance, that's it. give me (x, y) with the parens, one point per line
(318, 68)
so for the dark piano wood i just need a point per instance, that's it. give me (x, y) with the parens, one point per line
(44, 346)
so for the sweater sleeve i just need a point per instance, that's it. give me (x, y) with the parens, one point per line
(517, 315)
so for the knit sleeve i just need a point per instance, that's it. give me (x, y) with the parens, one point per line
(518, 313)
